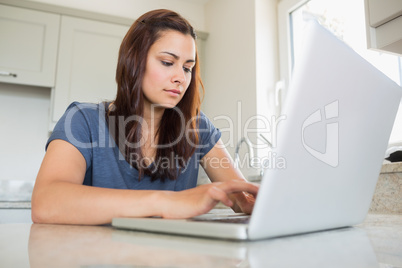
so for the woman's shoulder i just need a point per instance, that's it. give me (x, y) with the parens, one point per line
(85, 111)
(87, 107)
(80, 124)
(208, 132)
(81, 115)
(203, 120)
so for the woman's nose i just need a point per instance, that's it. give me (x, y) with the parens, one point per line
(179, 76)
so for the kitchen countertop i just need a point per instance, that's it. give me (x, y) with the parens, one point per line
(375, 243)
(389, 167)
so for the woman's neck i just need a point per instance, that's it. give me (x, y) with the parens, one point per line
(153, 116)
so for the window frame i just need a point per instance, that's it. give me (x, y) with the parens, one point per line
(285, 8)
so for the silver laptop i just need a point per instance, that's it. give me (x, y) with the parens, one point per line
(339, 115)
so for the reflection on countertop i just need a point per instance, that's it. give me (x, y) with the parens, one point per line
(376, 242)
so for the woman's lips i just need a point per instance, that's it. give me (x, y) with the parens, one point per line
(174, 91)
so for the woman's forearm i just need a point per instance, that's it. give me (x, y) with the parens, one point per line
(69, 203)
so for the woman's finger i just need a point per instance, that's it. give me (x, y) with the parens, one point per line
(238, 186)
(219, 195)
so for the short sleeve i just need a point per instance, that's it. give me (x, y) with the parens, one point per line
(75, 128)
(209, 134)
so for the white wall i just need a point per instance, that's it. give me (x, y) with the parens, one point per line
(24, 117)
(267, 70)
(193, 10)
(230, 70)
(241, 65)
(267, 60)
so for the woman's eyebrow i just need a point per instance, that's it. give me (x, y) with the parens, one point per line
(175, 56)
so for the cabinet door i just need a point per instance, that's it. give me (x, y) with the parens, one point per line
(87, 62)
(28, 46)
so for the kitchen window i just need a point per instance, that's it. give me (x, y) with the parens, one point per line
(346, 19)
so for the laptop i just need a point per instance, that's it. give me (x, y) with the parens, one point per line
(339, 113)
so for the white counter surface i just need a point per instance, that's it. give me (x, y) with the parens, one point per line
(375, 243)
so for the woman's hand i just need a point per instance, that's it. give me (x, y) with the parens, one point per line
(200, 200)
(243, 202)
(219, 167)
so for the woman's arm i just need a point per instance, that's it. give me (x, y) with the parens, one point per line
(60, 197)
(219, 167)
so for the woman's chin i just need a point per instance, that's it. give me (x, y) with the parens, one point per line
(163, 105)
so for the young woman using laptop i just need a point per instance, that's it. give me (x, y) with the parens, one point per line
(139, 155)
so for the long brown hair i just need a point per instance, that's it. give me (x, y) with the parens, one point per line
(129, 100)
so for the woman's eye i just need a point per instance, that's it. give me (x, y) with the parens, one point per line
(166, 63)
(187, 70)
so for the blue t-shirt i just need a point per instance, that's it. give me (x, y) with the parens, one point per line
(84, 126)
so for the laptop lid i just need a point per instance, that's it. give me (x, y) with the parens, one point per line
(339, 115)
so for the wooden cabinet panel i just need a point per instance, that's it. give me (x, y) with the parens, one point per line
(28, 46)
(87, 62)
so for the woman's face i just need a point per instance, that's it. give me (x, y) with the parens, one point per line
(168, 70)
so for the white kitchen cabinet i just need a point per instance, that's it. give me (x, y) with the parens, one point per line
(87, 60)
(28, 46)
(384, 24)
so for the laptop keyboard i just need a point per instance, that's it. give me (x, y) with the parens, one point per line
(236, 219)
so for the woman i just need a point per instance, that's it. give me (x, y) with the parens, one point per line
(139, 155)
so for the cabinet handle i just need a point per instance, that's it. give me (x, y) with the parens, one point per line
(7, 74)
